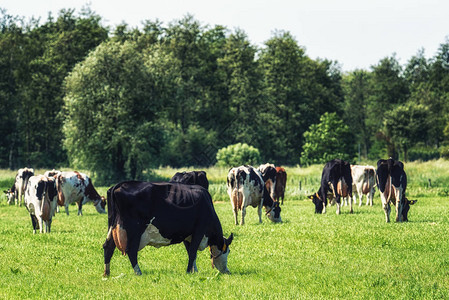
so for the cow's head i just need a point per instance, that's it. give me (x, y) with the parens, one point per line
(219, 257)
(406, 208)
(319, 205)
(100, 205)
(274, 213)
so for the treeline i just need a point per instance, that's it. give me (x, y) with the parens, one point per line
(121, 101)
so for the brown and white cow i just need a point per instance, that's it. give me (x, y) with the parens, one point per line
(52, 173)
(363, 183)
(77, 187)
(22, 177)
(41, 200)
(10, 194)
(281, 182)
(392, 183)
(246, 187)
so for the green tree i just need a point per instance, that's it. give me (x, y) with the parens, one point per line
(237, 155)
(111, 104)
(327, 140)
(407, 124)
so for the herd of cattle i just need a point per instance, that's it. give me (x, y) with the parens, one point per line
(181, 210)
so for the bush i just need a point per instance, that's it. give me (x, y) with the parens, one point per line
(237, 155)
(444, 152)
(423, 153)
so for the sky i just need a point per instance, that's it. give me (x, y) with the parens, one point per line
(356, 33)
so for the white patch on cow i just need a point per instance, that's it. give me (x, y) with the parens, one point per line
(151, 236)
(203, 243)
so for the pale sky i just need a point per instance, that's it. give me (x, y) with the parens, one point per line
(356, 33)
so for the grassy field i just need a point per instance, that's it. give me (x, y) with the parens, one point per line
(308, 256)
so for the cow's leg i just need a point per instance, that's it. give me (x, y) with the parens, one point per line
(41, 224)
(235, 210)
(194, 268)
(133, 247)
(80, 208)
(337, 201)
(67, 208)
(242, 220)
(34, 223)
(386, 206)
(193, 249)
(399, 206)
(259, 211)
(108, 249)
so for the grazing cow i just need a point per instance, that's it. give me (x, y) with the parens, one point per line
(281, 182)
(336, 182)
(246, 187)
(364, 183)
(192, 177)
(10, 194)
(41, 201)
(268, 172)
(162, 214)
(77, 187)
(392, 183)
(21, 182)
(52, 173)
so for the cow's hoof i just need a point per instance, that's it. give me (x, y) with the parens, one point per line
(106, 274)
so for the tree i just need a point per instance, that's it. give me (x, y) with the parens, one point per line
(406, 125)
(327, 140)
(111, 104)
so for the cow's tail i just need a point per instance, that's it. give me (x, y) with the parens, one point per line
(61, 200)
(115, 225)
(236, 195)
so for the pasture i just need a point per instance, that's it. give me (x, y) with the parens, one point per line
(308, 256)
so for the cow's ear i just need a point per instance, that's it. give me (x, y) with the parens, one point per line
(228, 241)
(412, 202)
(310, 197)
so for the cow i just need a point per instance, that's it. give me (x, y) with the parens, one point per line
(363, 183)
(268, 172)
(392, 184)
(161, 214)
(52, 173)
(192, 177)
(246, 187)
(336, 182)
(41, 200)
(281, 182)
(22, 178)
(77, 187)
(10, 194)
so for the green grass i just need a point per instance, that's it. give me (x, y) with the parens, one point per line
(307, 257)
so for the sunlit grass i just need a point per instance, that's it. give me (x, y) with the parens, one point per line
(307, 257)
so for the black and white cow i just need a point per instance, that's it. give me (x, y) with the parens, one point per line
(246, 187)
(41, 201)
(52, 173)
(336, 182)
(77, 187)
(192, 177)
(162, 214)
(21, 182)
(392, 184)
(268, 172)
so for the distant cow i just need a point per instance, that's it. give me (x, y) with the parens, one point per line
(246, 187)
(268, 172)
(363, 183)
(10, 194)
(41, 201)
(52, 173)
(21, 182)
(336, 182)
(392, 183)
(77, 187)
(281, 182)
(162, 214)
(192, 177)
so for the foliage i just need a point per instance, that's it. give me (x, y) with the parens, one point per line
(327, 140)
(237, 155)
(111, 123)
